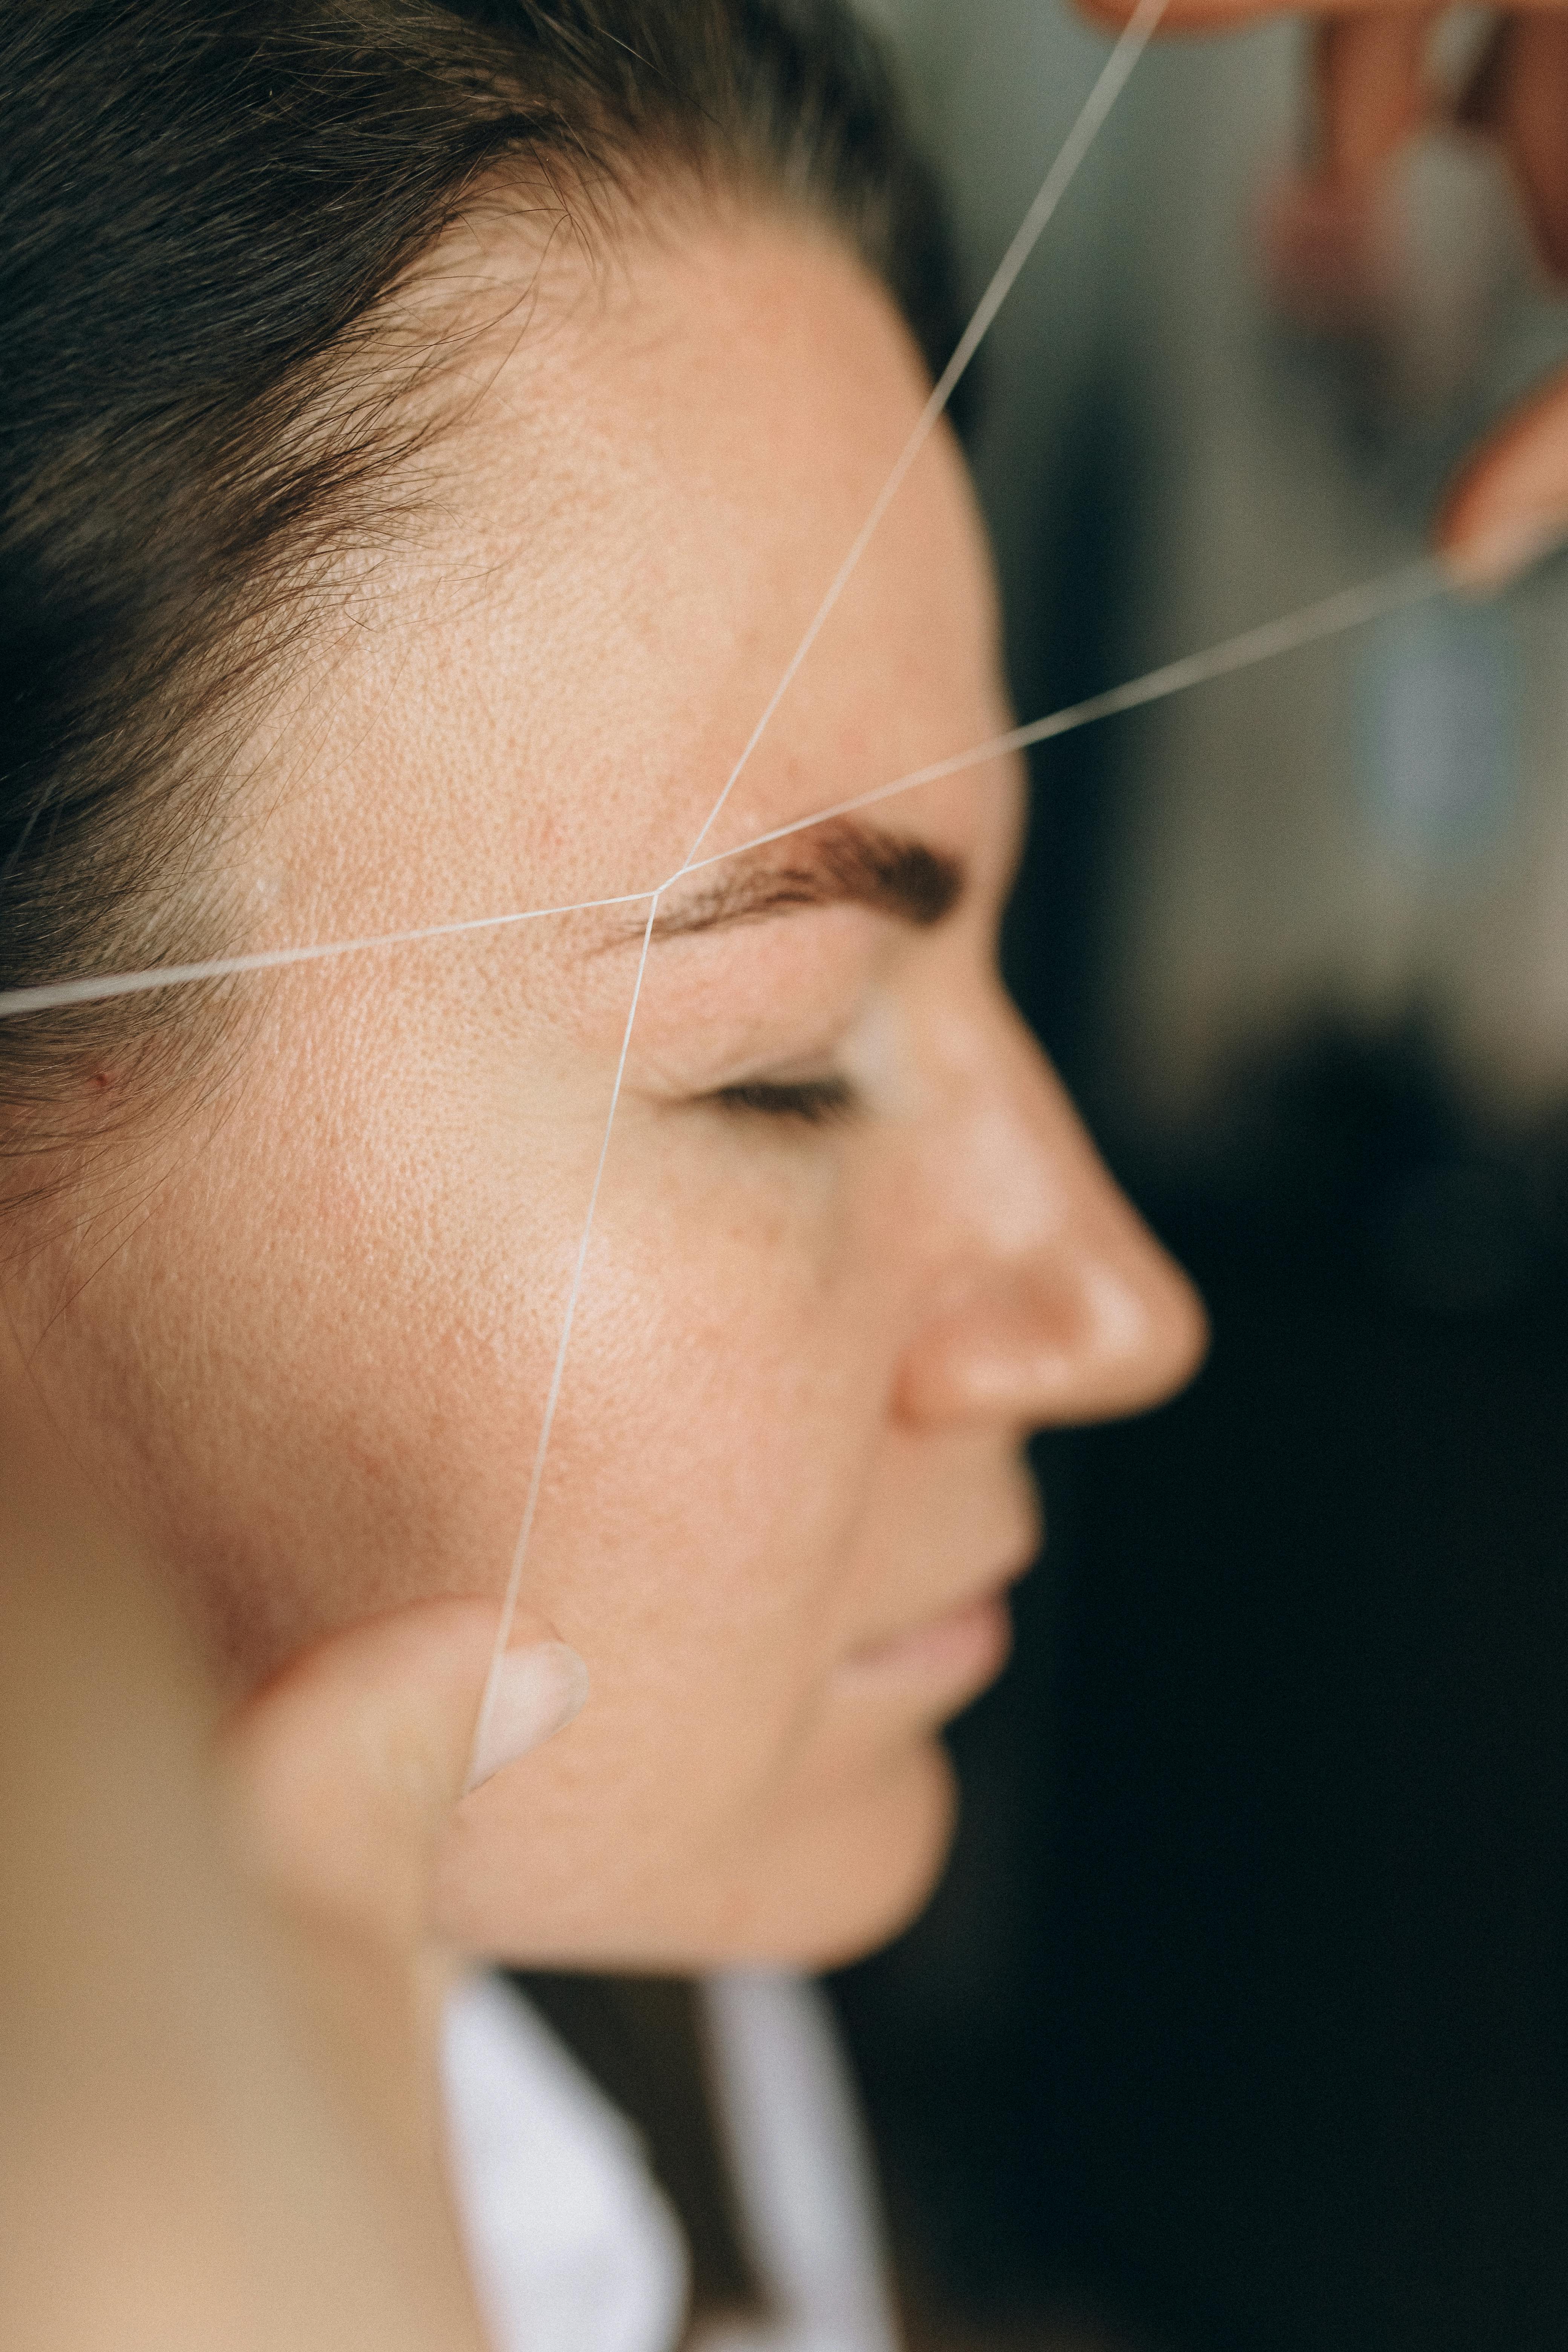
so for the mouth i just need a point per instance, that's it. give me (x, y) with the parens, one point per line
(951, 1657)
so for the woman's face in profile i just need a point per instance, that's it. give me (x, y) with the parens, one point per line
(850, 1245)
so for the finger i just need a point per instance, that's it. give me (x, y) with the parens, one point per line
(1477, 104)
(1220, 16)
(1519, 93)
(1370, 74)
(1322, 227)
(1510, 503)
(347, 1768)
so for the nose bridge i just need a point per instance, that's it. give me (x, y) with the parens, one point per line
(1057, 1303)
(1036, 1178)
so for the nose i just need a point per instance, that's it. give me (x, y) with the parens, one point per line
(1053, 1303)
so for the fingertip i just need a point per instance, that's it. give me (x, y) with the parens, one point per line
(532, 1693)
(1508, 508)
(1483, 562)
(1488, 540)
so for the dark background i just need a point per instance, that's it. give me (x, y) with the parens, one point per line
(1238, 2023)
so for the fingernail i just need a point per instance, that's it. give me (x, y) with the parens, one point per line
(535, 1692)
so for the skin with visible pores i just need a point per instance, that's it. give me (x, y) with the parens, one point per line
(852, 1245)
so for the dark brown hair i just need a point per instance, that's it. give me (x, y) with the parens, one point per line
(207, 207)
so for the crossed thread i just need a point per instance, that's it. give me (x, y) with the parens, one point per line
(1332, 615)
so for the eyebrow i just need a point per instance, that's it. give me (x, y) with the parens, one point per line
(837, 864)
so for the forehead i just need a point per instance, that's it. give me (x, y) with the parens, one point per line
(661, 460)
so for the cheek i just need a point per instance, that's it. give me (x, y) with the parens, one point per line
(719, 1422)
(703, 1530)
(314, 1368)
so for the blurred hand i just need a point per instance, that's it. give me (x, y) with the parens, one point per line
(220, 2114)
(1374, 90)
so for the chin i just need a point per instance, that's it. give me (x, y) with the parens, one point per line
(843, 1885)
(843, 1868)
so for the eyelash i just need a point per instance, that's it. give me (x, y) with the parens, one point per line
(810, 1102)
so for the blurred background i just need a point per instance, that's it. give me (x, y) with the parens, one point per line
(1239, 2023)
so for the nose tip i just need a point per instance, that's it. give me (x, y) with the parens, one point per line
(1136, 1328)
(1153, 1330)
(1090, 1338)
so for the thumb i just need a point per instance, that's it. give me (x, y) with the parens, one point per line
(1509, 502)
(346, 1767)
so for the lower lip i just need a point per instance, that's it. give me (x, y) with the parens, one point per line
(952, 1656)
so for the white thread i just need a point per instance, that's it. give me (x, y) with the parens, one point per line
(1348, 608)
(1109, 85)
(1345, 610)
(542, 1446)
(1129, 49)
(94, 991)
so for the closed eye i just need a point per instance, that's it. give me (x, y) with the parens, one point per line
(812, 1102)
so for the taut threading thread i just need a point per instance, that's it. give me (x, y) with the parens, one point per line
(558, 1371)
(93, 991)
(1327, 616)
(1347, 609)
(1107, 86)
